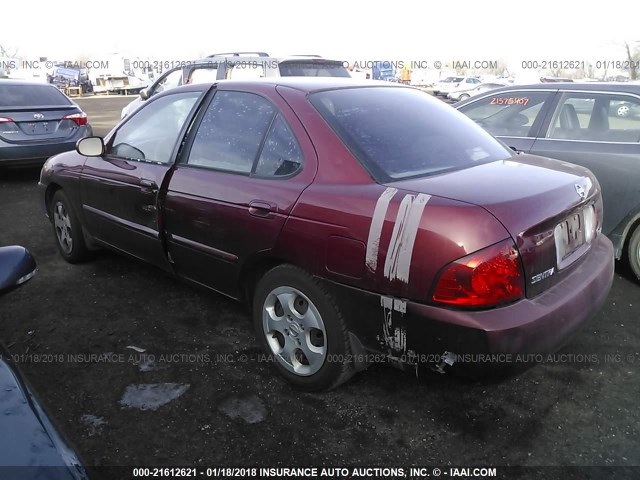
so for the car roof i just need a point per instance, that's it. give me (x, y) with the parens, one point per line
(304, 84)
(588, 86)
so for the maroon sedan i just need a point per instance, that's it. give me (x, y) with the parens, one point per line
(360, 220)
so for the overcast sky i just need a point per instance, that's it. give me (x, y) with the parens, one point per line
(344, 29)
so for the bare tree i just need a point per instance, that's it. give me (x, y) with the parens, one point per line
(633, 58)
(500, 68)
(8, 52)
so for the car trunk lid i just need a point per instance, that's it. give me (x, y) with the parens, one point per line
(34, 124)
(542, 203)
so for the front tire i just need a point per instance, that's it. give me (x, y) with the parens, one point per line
(300, 327)
(67, 229)
(633, 252)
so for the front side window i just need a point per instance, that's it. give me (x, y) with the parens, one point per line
(230, 134)
(507, 114)
(597, 117)
(398, 132)
(171, 80)
(152, 131)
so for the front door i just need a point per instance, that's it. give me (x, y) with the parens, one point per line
(120, 190)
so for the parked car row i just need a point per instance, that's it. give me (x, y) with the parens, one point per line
(453, 84)
(463, 94)
(236, 183)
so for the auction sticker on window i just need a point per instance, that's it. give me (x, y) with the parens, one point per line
(509, 101)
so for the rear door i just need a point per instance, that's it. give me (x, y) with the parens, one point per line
(244, 167)
(513, 116)
(35, 113)
(600, 131)
(120, 191)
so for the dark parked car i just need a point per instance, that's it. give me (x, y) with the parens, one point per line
(37, 121)
(30, 445)
(593, 125)
(355, 217)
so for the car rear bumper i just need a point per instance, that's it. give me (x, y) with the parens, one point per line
(33, 153)
(418, 333)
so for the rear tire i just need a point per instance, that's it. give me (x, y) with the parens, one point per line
(464, 96)
(67, 229)
(633, 252)
(301, 329)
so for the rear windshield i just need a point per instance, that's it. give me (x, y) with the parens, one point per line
(398, 132)
(31, 96)
(313, 69)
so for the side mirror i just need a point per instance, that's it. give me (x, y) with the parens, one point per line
(16, 267)
(90, 146)
(145, 93)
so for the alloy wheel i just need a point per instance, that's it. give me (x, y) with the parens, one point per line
(294, 331)
(62, 223)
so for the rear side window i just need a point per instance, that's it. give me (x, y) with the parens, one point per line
(597, 117)
(313, 69)
(204, 74)
(245, 70)
(281, 155)
(507, 114)
(231, 132)
(31, 96)
(399, 132)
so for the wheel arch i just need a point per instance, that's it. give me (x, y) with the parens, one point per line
(631, 223)
(627, 234)
(252, 271)
(50, 191)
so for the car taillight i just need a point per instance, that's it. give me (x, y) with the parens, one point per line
(79, 118)
(5, 120)
(486, 278)
(590, 223)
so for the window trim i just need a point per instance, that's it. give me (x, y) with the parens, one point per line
(183, 161)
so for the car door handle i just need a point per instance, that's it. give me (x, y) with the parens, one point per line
(260, 208)
(148, 186)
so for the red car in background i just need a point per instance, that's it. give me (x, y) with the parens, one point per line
(361, 220)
